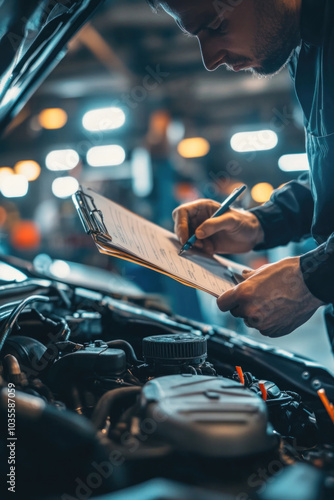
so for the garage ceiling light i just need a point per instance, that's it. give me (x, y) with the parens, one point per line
(62, 159)
(260, 140)
(294, 163)
(64, 187)
(98, 120)
(5, 172)
(14, 186)
(194, 147)
(29, 169)
(52, 118)
(105, 156)
(261, 192)
(141, 170)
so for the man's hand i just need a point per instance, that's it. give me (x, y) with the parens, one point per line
(274, 299)
(237, 231)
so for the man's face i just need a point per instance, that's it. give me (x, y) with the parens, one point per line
(257, 35)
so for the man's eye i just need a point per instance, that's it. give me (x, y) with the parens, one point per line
(222, 28)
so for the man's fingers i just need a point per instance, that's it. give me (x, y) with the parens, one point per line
(227, 301)
(181, 227)
(199, 244)
(237, 312)
(247, 273)
(208, 246)
(252, 322)
(211, 226)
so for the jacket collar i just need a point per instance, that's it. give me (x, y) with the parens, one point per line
(312, 21)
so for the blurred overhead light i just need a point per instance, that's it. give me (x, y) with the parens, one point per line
(29, 169)
(46, 215)
(105, 156)
(60, 268)
(5, 172)
(9, 273)
(52, 118)
(42, 263)
(101, 119)
(62, 159)
(195, 147)
(141, 170)
(260, 140)
(294, 163)
(261, 192)
(14, 186)
(175, 132)
(64, 187)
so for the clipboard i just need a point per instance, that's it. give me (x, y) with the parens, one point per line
(120, 233)
(90, 216)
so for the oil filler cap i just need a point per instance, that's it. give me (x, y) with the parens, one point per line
(170, 349)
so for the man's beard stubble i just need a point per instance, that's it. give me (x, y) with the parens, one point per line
(277, 36)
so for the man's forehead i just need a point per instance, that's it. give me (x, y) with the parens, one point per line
(189, 11)
(180, 6)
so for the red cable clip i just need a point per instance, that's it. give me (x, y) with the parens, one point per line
(329, 407)
(241, 374)
(263, 390)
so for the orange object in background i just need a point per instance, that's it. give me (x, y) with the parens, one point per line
(3, 215)
(156, 139)
(194, 147)
(25, 235)
(185, 192)
(29, 169)
(261, 192)
(52, 118)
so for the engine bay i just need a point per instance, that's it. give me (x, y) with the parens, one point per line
(113, 395)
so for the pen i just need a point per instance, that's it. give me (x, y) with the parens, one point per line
(221, 210)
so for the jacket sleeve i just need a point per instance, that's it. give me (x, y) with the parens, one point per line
(288, 215)
(317, 267)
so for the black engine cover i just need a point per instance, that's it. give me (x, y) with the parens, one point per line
(209, 416)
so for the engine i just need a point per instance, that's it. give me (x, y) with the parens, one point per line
(100, 394)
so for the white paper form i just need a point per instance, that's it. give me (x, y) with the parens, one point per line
(159, 248)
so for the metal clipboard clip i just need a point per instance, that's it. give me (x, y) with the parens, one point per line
(90, 216)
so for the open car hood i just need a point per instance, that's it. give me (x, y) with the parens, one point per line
(33, 39)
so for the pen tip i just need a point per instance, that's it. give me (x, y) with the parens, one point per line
(181, 252)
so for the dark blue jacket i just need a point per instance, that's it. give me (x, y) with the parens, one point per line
(306, 207)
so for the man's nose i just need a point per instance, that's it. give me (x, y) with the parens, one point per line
(212, 54)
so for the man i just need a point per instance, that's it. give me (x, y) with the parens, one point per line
(262, 36)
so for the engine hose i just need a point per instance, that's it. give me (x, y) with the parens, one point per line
(127, 348)
(110, 402)
(7, 328)
(64, 332)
